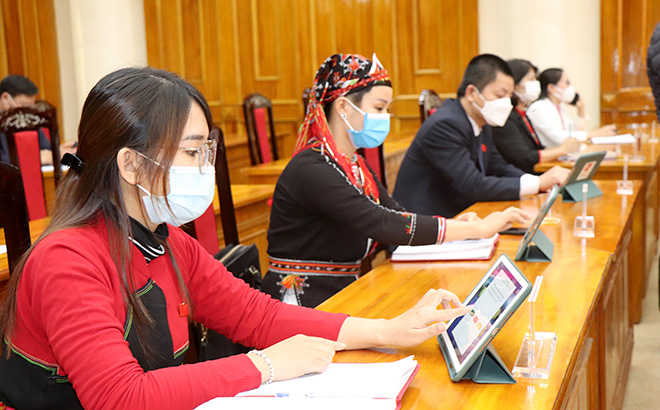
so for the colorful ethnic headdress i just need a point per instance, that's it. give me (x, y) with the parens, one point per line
(339, 75)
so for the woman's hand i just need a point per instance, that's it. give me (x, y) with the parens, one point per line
(604, 131)
(500, 221)
(569, 145)
(297, 356)
(468, 217)
(424, 320)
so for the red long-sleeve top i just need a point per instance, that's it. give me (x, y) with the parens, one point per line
(71, 319)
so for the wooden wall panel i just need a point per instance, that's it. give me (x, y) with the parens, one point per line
(231, 48)
(28, 45)
(626, 28)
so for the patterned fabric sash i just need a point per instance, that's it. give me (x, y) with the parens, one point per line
(312, 268)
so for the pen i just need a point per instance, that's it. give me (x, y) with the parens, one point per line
(306, 395)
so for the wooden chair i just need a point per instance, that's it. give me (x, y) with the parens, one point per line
(263, 147)
(376, 159)
(428, 101)
(21, 127)
(306, 95)
(13, 213)
(204, 228)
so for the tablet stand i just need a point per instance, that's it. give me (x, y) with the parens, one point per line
(489, 368)
(624, 187)
(637, 147)
(539, 249)
(535, 355)
(573, 192)
(584, 226)
(653, 138)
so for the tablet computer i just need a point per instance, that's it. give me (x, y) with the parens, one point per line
(585, 167)
(536, 224)
(583, 171)
(497, 295)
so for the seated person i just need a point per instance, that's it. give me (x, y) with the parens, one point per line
(329, 208)
(18, 91)
(517, 141)
(98, 311)
(551, 122)
(452, 162)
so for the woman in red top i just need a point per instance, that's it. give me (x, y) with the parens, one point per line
(97, 313)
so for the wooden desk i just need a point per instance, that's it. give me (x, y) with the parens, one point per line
(619, 216)
(645, 171)
(252, 216)
(569, 311)
(264, 173)
(269, 173)
(584, 299)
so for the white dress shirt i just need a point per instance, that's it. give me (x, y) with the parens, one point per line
(552, 124)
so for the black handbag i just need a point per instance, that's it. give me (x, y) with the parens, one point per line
(243, 262)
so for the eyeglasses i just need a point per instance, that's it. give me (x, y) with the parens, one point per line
(205, 154)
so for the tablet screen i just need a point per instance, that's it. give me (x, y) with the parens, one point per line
(488, 302)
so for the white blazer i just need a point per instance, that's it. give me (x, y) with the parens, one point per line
(552, 123)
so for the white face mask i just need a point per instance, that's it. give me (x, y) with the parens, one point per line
(566, 95)
(191, 193)
(495, 112)
(532, 92)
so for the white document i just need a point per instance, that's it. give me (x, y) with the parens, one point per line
(341, 386)
(297, 403)
(457, 250)
(3, 249)
(617, 139)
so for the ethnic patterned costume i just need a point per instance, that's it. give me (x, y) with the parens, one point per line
(329, 209)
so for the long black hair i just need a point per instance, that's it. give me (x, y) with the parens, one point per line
(547, 77)
(144, 109)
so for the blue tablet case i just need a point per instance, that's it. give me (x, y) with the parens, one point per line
(573, 192)
(489, 368)
(539, 249)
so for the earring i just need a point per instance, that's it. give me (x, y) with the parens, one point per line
(343, 115)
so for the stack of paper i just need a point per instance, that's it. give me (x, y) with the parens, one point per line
(617, 139)
(471, 249)
(341, 386)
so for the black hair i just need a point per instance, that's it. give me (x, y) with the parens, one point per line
(354, 95)
(520, 68)
(547, 77)
(481, 71)
(143, 109)
(18, 85)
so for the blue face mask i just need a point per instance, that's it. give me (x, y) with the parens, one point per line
(373, 133)
(191, 193)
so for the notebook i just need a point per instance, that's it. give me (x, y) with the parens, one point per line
(377, 386)
(469, 249)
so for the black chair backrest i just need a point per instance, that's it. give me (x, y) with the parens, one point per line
(428, 102)
(252, 103)
(41, 115)
(13, 213)
(227, 211)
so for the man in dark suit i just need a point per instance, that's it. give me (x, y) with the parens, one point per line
(18, 91)
(452, 162)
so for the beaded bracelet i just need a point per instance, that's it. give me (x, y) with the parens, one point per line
(268, 362)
